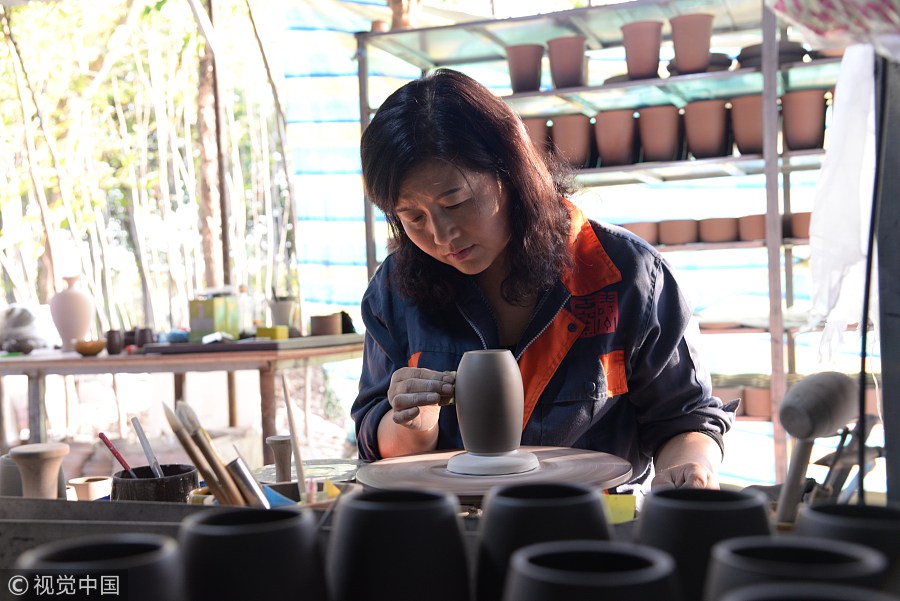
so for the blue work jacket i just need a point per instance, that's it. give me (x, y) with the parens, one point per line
(608, 361)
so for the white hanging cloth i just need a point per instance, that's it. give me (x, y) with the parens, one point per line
(839, 228)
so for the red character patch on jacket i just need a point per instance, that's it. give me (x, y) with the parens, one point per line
(599, 312)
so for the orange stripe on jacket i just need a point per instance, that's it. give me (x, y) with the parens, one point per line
(414, 360)
(614, 367)
(541, 360)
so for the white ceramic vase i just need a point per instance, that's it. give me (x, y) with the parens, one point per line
(71, 310)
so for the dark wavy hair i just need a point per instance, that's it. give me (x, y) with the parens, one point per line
(451, 117)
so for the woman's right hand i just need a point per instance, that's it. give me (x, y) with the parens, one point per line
(415, 394)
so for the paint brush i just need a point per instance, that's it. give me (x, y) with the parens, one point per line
(295, 442)
(232, 496)
(115, 452)
(250, 489)
(148, 450)
(194, 453)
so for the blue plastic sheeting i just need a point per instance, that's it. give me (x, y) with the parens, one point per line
(330, 197)
(322, 99)
(318, 53)
(328, 15)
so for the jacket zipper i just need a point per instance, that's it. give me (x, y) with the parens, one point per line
(544, 329)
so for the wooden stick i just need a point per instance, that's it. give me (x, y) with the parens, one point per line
(194, 453)
(203, 441)
(295, 441)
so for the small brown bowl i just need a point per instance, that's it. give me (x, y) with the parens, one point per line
(89, 348)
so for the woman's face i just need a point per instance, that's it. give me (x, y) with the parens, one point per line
(456, 215)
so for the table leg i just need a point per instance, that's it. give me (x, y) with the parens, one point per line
(232, 401)
(268, 410)
(179, 387)
(37, 413)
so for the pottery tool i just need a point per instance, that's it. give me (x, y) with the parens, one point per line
(148, 450)
(295, 441)
(250, 489)
(115, 452)
(194, 453)
(230, 492)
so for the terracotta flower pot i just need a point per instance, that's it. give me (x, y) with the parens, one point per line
(690, 38)
(752, 227)
(648, 230)
(614, 132)
(746, 122)
(757, 402)
(568, 64)
(659, 128)
(803, 119)
(539, 132)
(572, 138)
(678, 231)
(524, 62)
(719, 229)
(642, 40)
(705, 124)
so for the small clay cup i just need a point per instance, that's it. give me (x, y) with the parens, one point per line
(706, 125)
(746, 123)
(648, 230)
(588, 570)
(805, 591)
(747, 560)
(690, 38)
(615, 133)
(91, 488)
(252, 553)
(539, 133)
(642, 40)
(572, 138)
(144, 336)
(174, 487)
(752, 227)
(874, 526)
(800, 224)
(115, 341)
(143, 566)
(678, 231)
(687, 523)
(325, 325)
(803, 119)
(660, 132)
(553, 511)
(719, 229)
(568, 64)
(524, 61)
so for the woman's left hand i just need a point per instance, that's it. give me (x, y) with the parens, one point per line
(687, 460)
(687, 475)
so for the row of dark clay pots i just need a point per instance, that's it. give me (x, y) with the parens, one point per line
(716, 229)
(660, 132)
(533, 542)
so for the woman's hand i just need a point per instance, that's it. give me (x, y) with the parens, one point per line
(415, 394)
(687, 460)
(687, 475)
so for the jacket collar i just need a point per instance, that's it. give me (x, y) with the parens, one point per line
(593, 269)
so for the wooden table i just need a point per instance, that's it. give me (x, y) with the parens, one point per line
(314, 349)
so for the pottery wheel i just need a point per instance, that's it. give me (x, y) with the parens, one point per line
(557, 464)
